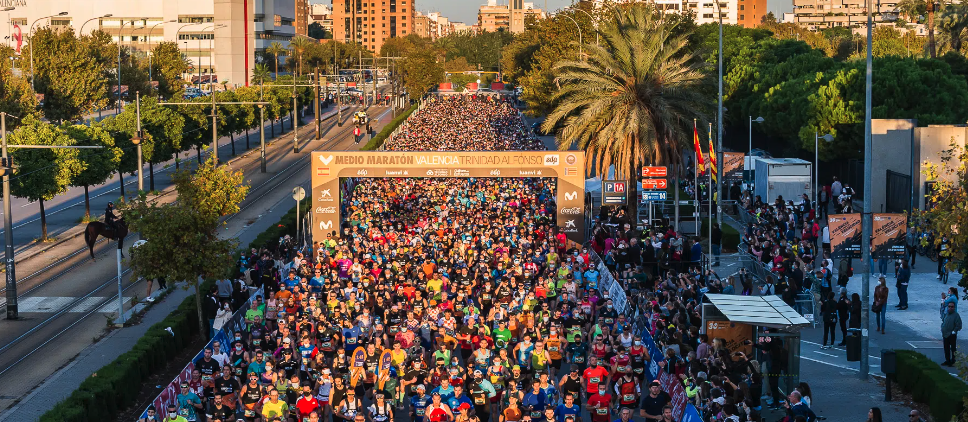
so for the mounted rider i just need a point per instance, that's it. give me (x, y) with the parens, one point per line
(111, 216)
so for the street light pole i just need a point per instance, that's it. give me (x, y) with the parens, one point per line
(81, 32)
(262, 138)
(150, 73)
(295, 117)
(580, 53)
(117, 105)
(590, 17)
(141, 185)
(867, 217)
(719, 122)
(12, 307)
(7, 169)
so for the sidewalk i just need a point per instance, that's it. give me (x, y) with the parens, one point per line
(62, 383)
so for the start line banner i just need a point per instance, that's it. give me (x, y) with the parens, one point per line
(566, 167)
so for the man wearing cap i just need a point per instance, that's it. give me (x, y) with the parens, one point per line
(482, 391)
(652, 403)
(419, 403)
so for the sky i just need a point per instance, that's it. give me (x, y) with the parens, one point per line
(466, 10)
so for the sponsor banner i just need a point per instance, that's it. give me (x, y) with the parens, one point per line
(655, 355)
(734, 333)
(889, 236)
(692, 414)
(170, 393)
(733, 166)
(330, 170)
(845, 235)
(672, 386)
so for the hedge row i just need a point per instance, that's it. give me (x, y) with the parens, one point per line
(378, 140)
(115, 387)
(931, 384)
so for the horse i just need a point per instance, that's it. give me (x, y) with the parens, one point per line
(97, 228)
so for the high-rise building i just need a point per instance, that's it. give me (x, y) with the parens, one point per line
(323, 15)
(372, 22)
(302, 17)
(751, 12)
(492, 16)
(219, 37)
(822, 14)
(708, 11)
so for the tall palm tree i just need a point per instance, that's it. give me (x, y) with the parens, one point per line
(260, 74)
(633, 101)
(954, 22)
(298, 45)
(276, 49)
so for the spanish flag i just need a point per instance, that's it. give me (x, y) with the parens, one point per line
(700, 164)
(712, 156)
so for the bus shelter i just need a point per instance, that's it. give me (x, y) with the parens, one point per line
(764, 321)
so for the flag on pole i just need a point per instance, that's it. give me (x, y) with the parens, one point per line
(700, 165)
(712, 156)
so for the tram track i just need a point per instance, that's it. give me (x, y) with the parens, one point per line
(68, 264)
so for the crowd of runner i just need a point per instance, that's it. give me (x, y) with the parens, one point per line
(458, 300)
(464, 123)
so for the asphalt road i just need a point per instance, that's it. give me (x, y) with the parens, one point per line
(62, 297)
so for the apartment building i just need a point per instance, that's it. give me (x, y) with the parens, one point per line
(492, 16)
(372, 22)
(822, 14)
(301, 23)
(219, 37)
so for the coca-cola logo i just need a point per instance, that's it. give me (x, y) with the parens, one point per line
(571, 211)
(325, 210)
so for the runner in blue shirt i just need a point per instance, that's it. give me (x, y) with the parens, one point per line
(568, 408)
(419, 403)
(188, 404)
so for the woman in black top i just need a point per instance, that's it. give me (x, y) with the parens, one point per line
(854, 311)
(843, 313)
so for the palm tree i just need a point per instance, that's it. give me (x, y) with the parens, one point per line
(275, 49)
(954, 21)
(298, 45)
(634, 100)
(260, 74)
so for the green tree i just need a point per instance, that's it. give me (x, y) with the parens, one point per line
(421, 71)
(298, 45)
(275, 49)
(182, 237)
(42, 174)
(70, 77)
(168, 65)
(16, 98)
(954, 23)
(634, 100)
(247, 116)
(98, 164)
(947, 211)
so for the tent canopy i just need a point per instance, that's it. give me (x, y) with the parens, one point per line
(765, 311)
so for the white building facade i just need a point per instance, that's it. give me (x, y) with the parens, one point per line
(219, 37)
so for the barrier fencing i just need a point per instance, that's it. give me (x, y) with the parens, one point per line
(170, 393)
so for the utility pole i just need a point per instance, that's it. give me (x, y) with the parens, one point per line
(12, 307)
(214, 114)
(6, 168)
(295, 118)
(316, 102)
(867, 218)
(141, 181)
(214, 127)
(262, 137)
(719, 129)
